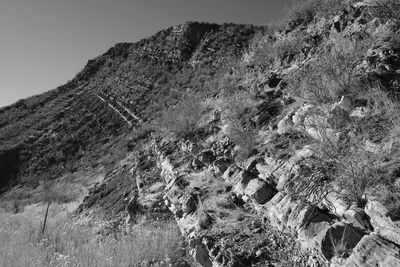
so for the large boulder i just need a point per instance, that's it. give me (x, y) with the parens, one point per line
(301, 113)
(339, 240)
(358, 217)
(285, 125)
(259, 191)
(286, 212)
(373, 250)
(204, 158)
(383, 224)
(335, 204)
(221, 164)
(231, 173)
(280, 171)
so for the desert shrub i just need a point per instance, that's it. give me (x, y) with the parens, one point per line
(386, 9)
(330, 76)
(267, 50)
(349, 162)
(181, 120)
(306, 10)
(238, 110)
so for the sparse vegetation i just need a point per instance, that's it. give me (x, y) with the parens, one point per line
(69, 243)
(182, 120)
(387, 9)
(331, 75)
(238, 110)
(304, 11)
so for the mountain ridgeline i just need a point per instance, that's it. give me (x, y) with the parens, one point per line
(56, 132)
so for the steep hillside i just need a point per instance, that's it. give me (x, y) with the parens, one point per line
(57, 132)
(269, 146)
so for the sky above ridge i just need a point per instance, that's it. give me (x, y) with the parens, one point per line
(44, 43)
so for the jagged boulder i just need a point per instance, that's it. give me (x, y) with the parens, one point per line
(204, 158)
(231, 173)
(221, 164)
(285, 125)
(358, 217)
(285, 212)
(339, 240)
(259, 191)
(373, 250)
(300, 114)
(335, 204)
(383, 224)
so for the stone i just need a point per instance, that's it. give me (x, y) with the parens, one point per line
(157, 187)
(373, 250)
(221, 164)
(200, 254)
(230, 174)
(345, 103)
(284, 212)
(372, 147)
(244, 177)
(339, 240)
(365, 3)
(359, 112)
(335, 204)
(338, 117)
(392, 147)
(259, 191)
(383, 224)
(188, 203)
(317, 127)
(285, 125)
(358, 217)
(206, 157)
(302, 154)
(397, 184)
(251, 163)
(300, 114)
(337, 23)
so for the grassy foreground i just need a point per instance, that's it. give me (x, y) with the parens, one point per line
(68, 242)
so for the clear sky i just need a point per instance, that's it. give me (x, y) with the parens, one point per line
(44, 43)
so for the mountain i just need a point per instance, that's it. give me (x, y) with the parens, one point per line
(268, 146)
(59, 131)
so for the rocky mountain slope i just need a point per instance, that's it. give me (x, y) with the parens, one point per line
(57, 131)
(269, 146)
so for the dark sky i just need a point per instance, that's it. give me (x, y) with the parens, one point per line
(44, 43)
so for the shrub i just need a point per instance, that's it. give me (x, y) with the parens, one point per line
(330, 76)
(181, 120)
(238, 110)
(267, 50)
(306, 10)
(345, 163)
(387, 9)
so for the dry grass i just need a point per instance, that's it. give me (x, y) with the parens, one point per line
(68, 243)
(182, 119)
(238, 110)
